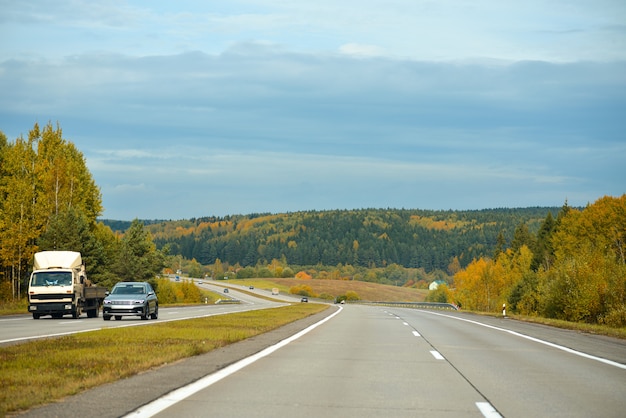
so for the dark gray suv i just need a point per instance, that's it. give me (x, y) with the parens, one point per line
(131, 299)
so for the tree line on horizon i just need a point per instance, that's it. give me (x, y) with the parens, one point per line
(369, 238)
(566, 263)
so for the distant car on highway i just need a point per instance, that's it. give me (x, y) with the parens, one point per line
(225, 290)
(251, 287)
(131, 299)
(304, 299)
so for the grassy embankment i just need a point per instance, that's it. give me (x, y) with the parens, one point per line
(43, 371)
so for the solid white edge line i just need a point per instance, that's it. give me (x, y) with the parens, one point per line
(487, 410)
(537, 340)
(178, 395)
(417, 334)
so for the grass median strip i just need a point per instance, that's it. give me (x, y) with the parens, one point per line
(43, 371)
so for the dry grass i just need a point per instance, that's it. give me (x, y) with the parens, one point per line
(42, 371)
(366, 291)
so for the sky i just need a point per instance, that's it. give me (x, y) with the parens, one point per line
(200, 108)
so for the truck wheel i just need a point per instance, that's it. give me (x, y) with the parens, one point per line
(106, 317)
(76, 312)
(93, 313)
(35, 315)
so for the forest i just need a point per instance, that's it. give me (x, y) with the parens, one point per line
(558, 262)
(49, 201)
(363, 238)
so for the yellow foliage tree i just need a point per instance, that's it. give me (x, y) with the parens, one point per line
(588, 279)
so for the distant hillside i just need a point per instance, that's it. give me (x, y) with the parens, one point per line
(364, 237)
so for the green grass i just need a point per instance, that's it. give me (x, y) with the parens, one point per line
(576, 326)
(558, 323)
(43, 371)
(14, 307)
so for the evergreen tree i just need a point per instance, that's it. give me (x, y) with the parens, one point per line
(543, 251)
(138, 258)
(500, 245)
(522, 236)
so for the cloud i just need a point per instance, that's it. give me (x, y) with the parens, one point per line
(361, 50)
(200, 108)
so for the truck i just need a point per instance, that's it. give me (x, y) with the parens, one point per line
(59, 286)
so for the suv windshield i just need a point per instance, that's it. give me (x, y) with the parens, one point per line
(129, 289)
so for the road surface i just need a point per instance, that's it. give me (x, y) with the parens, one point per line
(372, 362)
(377, 361)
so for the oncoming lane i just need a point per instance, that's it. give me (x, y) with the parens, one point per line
(21, 328)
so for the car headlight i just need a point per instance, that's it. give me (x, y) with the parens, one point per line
(139, 302)
(107, 302)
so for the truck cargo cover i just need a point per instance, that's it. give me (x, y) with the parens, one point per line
(57, 259)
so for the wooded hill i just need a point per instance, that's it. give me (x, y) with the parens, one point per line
(425, 239)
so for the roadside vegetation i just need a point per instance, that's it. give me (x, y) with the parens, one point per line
(43, 371)
(573, 269)
(574, 326)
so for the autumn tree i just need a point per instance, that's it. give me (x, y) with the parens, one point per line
(588, 279)
(20, 222)
(474, 287)
(41, 177)
(454, 266)
(65, 181)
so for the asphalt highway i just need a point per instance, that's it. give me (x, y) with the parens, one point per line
(366, 361)
(373, 362)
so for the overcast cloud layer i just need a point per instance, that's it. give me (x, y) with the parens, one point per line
(195, 108)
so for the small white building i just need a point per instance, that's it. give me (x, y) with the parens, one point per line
(434, 285)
